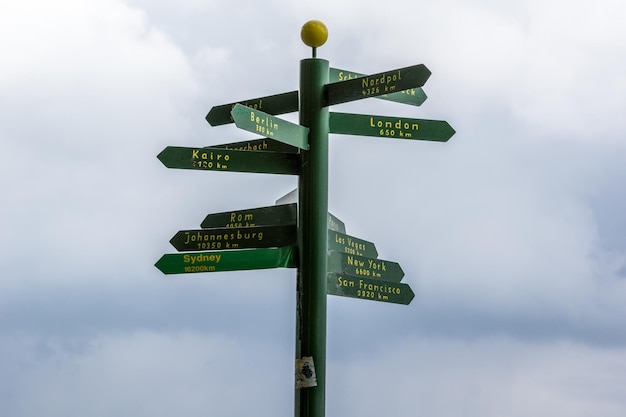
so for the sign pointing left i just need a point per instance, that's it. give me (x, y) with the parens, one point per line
(230, 160)
(276, 104)
(231, 260)
(224, 238)
(256, 121)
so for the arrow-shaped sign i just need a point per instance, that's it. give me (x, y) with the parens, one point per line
(341, 242)
(276, 104)
(256, 121)
(376, 85)
(225, 238)
(390, 127)
(284, 214)
(361, 266)
(413, 96)
(335, 224)
(263, 144)
(230, 160)
(369, 289)
(233, 260)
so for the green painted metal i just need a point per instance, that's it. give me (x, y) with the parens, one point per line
(226, 238)
(313, 236)
(335, 224)
(341, 242)
(233, 260)
(362, 266)
(284, 214)
(369, 289)
(376, 85)
(230, 160)
(413, 96)
(390, 127)
(276, 104)
(264, 144)
(256, 121)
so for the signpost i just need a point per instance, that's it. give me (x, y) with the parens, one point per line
(414, 96)
(341, 242)
(362, 266)
(256, 121)
(263, 144)
(284, 214)
(376, 85)
(234, 238)
(276, 104)
(231, 260)
(230, 160)
(369, 289)
(300, 232)
(390, 127)
(336, 224)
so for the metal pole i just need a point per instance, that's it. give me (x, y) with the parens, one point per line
(312, 237)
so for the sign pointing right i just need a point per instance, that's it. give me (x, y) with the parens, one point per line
(369, 289)
(413, 96)
(362, 266)
(376, 85)
(390, 127)
(351, 245)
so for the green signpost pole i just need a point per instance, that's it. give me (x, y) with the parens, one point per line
(304, 235)
(312, 238)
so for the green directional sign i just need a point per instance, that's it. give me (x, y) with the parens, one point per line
(233, 260)
(390, 127)
(341, 242)
(284, 214)
(225, 238)
(230, 160)
(369, 289)
(336, 224)
(413, 96)
(256, 121)
(263, 144)
(362, 266)
(276, 104)
(376, 85)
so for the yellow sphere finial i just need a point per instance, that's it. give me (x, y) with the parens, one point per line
(314, 33)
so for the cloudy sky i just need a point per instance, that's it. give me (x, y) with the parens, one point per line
(512, 235)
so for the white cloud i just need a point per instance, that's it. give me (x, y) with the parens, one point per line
(503, 230)
(150, 374)
(90, 93)
(486, 378)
